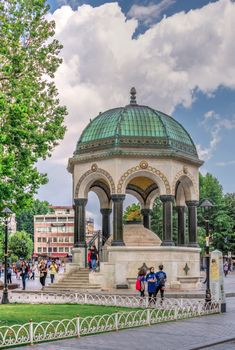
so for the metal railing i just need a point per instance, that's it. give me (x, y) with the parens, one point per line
(33, 332)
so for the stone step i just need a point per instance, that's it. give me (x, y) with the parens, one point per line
(81, 286)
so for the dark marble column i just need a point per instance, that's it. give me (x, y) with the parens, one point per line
(181, 224)
(192, 223)
(117, 219)
(105, 223)
(80, 222)
(146, 217)
(167, 201)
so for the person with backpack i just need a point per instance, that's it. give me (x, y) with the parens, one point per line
(140, 282)
(160, 282)
(151, 281)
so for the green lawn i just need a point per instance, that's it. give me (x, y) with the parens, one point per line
(21, 313)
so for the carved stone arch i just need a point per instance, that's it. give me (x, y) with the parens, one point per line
(189, 184)
(151, 198)
(137, 196)
(147, 171)
(85, 181)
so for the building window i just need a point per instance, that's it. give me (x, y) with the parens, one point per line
(61, 239)
(44, 249)
(55, 249)
(71, 219)
(62, 219)
(49, 249)
(44, 239)
(39, 249)
(39, 239)
(52, 219)
(54, 229)
(71, 239)
(39, 219)
(54, 239)
(61, 249)
(66, 249)
(66, 239)
(48, 229)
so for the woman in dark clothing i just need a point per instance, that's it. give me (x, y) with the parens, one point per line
(24, 273)
(141, 278)
(151, 280)
(42, 273)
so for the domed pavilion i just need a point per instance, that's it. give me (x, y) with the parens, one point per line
(140, 151)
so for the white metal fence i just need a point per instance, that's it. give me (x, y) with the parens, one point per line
(169, 310)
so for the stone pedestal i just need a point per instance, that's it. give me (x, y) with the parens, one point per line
(79, 256)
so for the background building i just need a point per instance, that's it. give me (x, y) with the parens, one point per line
(54, 232)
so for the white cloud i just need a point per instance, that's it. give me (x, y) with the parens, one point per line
(215, 125)
(223, 164)
(150, 12)
(102, 60)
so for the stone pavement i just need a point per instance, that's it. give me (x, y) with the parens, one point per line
(32, 286)
(188, 334)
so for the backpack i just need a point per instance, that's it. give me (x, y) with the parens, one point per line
(138, 284)
(162, 282)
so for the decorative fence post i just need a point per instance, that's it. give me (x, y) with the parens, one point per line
(31, 332)
(85, 300)
(116, 321)
(78, 326)
(146, 302)
(148, 317)
(175, 313)
(115, 300)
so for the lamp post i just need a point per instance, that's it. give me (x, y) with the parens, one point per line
(206, 205)
(6, 213)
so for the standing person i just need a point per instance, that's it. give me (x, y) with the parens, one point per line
(33, 270)
(42, 273)
(160, 281)
(9, 273)
(151, 280)
(225, 268)
(53, 270)
(94, 258)
(140, 285)
(89, 258)
(24, 273)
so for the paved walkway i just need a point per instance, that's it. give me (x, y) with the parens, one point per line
(183, 335)
(229, 288)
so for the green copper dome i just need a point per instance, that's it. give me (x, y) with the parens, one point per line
(135, 126)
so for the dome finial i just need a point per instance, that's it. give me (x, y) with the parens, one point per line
(133, 96)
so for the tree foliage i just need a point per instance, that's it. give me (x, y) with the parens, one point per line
(24, 219)
(132, 213)
(31, 118)
(20, 246)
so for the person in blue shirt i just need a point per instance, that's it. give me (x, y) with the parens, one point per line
(151, 280)
(160, 282)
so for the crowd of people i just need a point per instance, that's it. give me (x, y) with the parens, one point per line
(153, 282)
(28, 270)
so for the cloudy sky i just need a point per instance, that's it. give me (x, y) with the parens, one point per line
(178, 54)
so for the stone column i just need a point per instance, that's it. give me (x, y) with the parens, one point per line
(167, 201)
(192, 223)
(181, 224)
(146, 217)
(80, 222)
(105, 223)
(117, 219)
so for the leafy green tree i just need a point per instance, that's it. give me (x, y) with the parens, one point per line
(25, 218)
(156, 218)
(31, 118)
(132, 213)
(20, 245)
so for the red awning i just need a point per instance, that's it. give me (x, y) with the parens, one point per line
(57, 255)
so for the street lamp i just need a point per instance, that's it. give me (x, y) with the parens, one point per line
(206, 205)
(6, 213)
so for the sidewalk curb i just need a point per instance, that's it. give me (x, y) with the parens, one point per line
(226, 340)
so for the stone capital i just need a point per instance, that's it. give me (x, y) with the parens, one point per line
(106, 211)
(146, 211)
(192, 203)
(80, 201)
(167, 198)
(118, 197)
